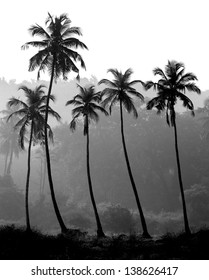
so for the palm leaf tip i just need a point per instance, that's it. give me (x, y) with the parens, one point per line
(73, 125)
(24, 47)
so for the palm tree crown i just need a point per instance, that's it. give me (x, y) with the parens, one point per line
(56, 47)
(121, 90)
(57, 56)
(87, 104)
(171, 86)
(33, 110)
(32, 113)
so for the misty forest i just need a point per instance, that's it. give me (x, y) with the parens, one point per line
(116, 168)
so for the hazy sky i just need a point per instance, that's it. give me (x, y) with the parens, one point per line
(119, 34)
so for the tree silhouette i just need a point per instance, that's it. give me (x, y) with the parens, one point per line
(56, 55)
(9, 144)
(205, 119)
(42, 156)
(32, 114)
(86, 104)
(121, 90)
(171, 86)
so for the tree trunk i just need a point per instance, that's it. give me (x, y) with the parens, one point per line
(100, 232)
(56, 209)
(44, 176)
(143, 222)
(28, 228)
(5, 164)
(186, 223)
(41, 177)
(10, 161)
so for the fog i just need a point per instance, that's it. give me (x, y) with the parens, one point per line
(150, 145)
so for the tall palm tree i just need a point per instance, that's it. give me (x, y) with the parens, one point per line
(55, 54)
(171, 86)
(86, 104)
(121, 91)
(32, 113)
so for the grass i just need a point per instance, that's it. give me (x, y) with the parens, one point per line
(17, 244)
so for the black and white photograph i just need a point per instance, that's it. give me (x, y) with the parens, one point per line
(104, 133)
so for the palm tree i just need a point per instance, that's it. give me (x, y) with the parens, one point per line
(56, 55)
(87, 103)
(42, 156)
(171, 86)
(9, 144)
(121, 91)
(5, 144)
(32, 114)
(205, 119)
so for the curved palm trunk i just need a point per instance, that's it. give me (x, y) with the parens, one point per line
(56, 209)
(143, 222)
(186, 223)
(28, 228)
(100, 232)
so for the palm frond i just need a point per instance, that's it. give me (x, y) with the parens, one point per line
(157, 102)
(54, 114)
(22, 133)
(73, 102)
(16, 102)
(92, 115)
(132, 83)
(73, 124)
(187, 78)
(99, 108)
(158, 71)
(149, 84)
(38, 59)
(129, 106)
(17, 113)
(74, 42)
(71, 31)
(192, 87)
(136, 94)
(127, 75)
(187, 103)
(37, 30)
(20, 122)
(37, 44)
(107, 83)
(77, 110)
(110, 95)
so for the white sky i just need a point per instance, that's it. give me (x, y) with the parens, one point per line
(119, 34)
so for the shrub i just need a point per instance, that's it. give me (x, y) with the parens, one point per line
(116, 218)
